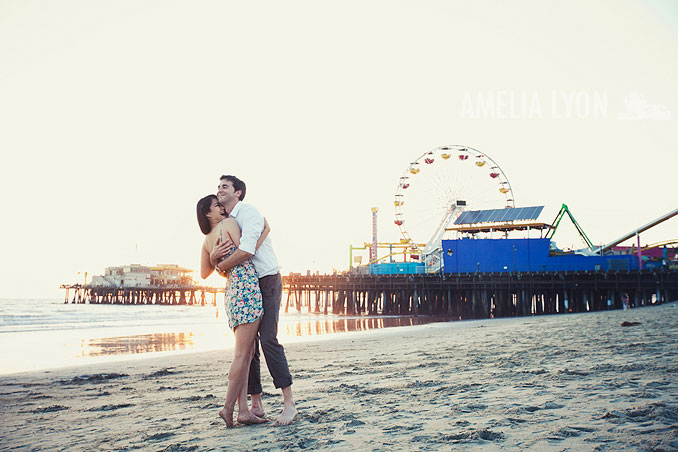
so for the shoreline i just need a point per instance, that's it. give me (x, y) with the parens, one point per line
(559, 382)
(52, 348)
(123, 359)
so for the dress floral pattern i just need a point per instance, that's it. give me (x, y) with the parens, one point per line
(242, 299)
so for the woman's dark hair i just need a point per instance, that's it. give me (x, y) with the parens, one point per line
(203, 208)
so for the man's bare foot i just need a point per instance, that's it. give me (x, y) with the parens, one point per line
(288, 415)
(250, 419)
(258, 411)
(227, 416)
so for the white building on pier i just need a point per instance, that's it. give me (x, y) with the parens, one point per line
(135, 275)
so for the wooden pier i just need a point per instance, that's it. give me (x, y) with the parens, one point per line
(463, 296)
(162, 295)
(478, 295)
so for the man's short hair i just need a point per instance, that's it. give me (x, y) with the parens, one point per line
(237, 185)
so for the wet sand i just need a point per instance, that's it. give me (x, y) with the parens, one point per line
(570, 382)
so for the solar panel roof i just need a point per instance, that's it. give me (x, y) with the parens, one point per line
(499, 215)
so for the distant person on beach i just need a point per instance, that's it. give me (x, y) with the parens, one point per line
(243, 303)
(231, 193)
(625, 301)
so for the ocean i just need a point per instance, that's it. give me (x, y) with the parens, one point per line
(38, 334)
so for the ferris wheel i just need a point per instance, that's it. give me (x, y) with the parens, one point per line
(436, 187)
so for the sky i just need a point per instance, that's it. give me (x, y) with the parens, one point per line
(116, 117)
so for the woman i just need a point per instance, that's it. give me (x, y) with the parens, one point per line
(243, 304)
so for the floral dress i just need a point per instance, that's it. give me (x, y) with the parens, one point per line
(242, 299)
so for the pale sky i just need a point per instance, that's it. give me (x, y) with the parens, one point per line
(116, 117)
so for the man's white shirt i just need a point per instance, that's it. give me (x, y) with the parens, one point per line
(252, 224)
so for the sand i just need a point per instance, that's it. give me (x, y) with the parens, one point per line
(569, 382)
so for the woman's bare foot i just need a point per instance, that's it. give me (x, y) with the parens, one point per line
(288, 415)
(227, 416)
(250, 419)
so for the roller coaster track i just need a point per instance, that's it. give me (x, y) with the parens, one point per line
(658, 244)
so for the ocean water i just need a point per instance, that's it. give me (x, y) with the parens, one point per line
(40, 334)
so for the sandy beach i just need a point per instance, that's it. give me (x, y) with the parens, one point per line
(569, 382)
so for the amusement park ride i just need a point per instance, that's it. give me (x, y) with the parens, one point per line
(433, 201)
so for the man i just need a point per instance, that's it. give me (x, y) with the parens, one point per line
(231, 192)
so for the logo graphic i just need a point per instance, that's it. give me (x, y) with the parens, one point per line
(637, 109)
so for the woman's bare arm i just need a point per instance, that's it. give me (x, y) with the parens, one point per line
(206, 267)
(264, 234)
(232, 230)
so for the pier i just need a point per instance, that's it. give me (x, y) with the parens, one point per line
(478, 295)
(179, 294)
(460, 296)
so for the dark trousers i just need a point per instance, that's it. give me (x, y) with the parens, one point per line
(271, 292)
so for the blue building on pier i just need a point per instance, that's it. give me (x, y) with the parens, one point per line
(472, 254)
(523, 255)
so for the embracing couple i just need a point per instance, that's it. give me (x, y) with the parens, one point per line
(238, 247)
